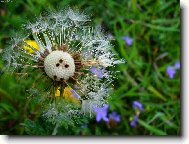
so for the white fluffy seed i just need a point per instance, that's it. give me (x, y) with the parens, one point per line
(59, 65)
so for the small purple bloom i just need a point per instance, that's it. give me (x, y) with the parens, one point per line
(98, 72)
(101, 113)
(75, 94)
(137, 104)
(170, 71)
(128, 40)
(114, 116)
(177, 65)
(134, 121)
(76, 87)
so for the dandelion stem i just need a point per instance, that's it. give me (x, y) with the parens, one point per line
(55, 129)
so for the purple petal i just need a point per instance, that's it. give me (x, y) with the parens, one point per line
(75, 94)
(170, 71)
(76, 87)
(98, 117)
(98, 72)
(134, 121)
(105, 119)
(115, 116)
(105, 107)
(137, 104)
(128, 40)
(177, 65)
(101, 113)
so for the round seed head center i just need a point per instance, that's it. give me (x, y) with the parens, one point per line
(59, 65)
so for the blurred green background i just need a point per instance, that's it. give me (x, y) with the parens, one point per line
(154, 27)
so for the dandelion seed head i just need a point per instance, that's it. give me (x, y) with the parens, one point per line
(74, 55)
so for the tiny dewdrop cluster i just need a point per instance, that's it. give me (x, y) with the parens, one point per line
(74, 56)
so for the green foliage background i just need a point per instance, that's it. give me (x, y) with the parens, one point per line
(155, 29)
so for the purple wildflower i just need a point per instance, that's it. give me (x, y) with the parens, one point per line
(114, 116)
(177, 65)
(170, 71)
(137, 104)
(101, 113)
(134, 121)
(75, 94)
(76, 87)
(128, 40)
(98, 72)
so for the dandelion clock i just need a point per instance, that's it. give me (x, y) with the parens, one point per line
(73, 57)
